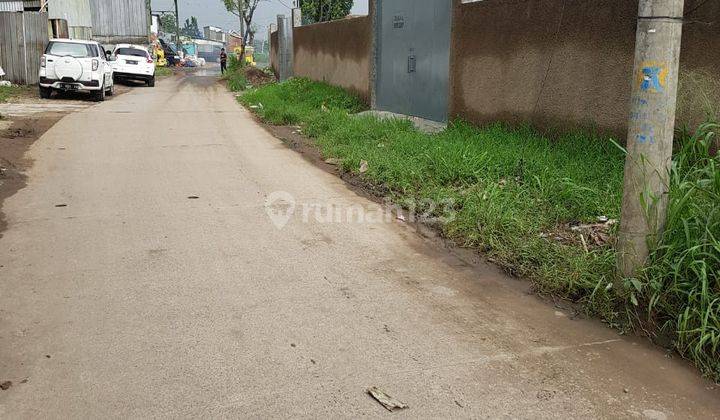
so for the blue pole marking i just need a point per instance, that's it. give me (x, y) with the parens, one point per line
(651, 79)
(646, 134)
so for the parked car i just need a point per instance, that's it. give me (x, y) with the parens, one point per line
(133, 62)
(75, 66)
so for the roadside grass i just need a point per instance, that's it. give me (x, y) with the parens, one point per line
(235, 75)
(302, 101)
(9, 92)
(515, 195)
(163, 72)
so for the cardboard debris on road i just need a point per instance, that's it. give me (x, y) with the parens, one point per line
(390, 403)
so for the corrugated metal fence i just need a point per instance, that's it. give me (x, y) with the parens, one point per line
(119, 20)
(76, 13)
(11, 6)
(24, 37)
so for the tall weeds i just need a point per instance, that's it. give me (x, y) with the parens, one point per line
(682, 280)
(235, 74)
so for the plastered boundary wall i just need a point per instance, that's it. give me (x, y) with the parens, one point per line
(337, 52)
(564, 64)
(274, 47)
(554, 64)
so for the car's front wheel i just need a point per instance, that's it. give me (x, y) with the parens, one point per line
(151, 82)
(45, 93)
(111, 90)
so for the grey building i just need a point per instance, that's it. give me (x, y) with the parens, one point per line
(213, 33)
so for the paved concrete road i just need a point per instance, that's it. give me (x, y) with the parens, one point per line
(133, 300)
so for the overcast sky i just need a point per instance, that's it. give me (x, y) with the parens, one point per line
(213, 12)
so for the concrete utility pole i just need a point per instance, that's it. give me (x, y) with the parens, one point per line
(148, 9)
(271, 28)
(241, 10)
(296, 17)
(650, 132)
(285, 48)
(178, 44)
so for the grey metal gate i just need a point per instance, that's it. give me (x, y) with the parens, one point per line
(413, 57)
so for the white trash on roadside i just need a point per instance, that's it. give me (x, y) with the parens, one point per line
(196, 61)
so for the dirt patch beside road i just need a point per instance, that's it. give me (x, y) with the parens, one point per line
(257, 77)
(24, 118)
(16, 137)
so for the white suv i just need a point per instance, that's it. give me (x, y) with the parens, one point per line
(133, 62)
(75, 65)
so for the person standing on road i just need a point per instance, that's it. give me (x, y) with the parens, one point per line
(223, 61)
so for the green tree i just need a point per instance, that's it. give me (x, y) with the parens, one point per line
(314, 11)
(191, 28)
(167, 23)
(244, 10)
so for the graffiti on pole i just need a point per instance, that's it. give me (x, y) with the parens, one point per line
(651, 84)
(652, 77)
